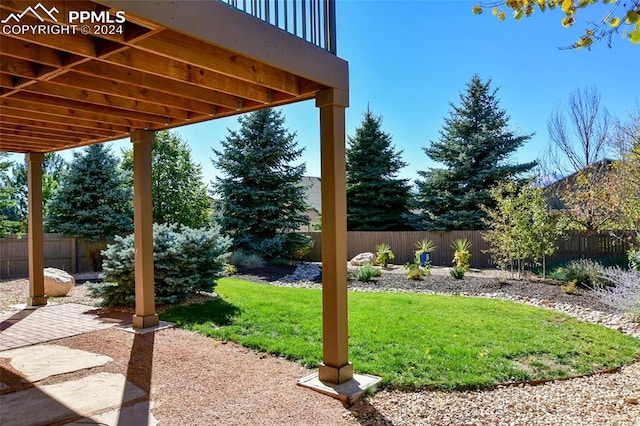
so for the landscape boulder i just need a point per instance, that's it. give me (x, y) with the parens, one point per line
(57, 282)
(363, 258)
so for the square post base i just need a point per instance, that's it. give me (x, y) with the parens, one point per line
(36, 301)
(335, 375)
(146, 321)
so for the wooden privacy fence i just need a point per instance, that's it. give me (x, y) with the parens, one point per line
(573, 246)
(69, 254)
(59, 252)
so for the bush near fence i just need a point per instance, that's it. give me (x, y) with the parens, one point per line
(69, 253)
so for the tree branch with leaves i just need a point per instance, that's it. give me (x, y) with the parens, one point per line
(618, 15)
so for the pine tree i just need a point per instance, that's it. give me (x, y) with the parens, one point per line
(179, 193)
(93, 200)
(262, 201)
(474, 145)
(376, 199)
(52, 169)
(6, 202)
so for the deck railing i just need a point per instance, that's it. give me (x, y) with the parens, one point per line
(311, 20)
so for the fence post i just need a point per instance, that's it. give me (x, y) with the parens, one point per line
(74, 265)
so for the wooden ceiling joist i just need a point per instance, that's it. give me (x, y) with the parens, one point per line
(64, 90)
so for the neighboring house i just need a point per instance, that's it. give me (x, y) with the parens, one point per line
(555, 190)
(313, 198)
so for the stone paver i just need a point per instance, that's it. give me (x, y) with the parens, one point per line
(67, 400)
(38, 362)
(133, 415)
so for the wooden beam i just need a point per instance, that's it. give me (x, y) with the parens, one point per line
(172, 45)
(133, 92)
(41, 132)
(31, 138)
(25, 145)
(76, 44)
(40, 126)
(30, 52)
(94, 98)
(18, 67)
(104, 111)
(111, 72)
(185, 73)
(6, 81)
(31, 114)
(35, 105)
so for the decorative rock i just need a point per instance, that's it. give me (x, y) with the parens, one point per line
(632, 400)
(57, 282)
(363, 258)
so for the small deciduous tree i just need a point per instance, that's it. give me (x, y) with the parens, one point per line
(179, 193)
(262, 201)
(617, 15)
(605, 196)
(579, 134)
(377, 200)
(521, 226)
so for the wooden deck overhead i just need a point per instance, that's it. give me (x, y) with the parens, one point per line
(60, 91)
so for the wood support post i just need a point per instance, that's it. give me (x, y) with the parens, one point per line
(336, 367)
(145, 315)
(35, 232)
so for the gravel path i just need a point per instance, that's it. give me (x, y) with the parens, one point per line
(601, 399)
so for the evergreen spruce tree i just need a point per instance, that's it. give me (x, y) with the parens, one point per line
(262, 200)
(93, 200)
(179, 193)
(474, 145)
(7, 225)
(52, 169)
(376, 199)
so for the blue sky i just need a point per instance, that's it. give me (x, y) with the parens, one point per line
(409, 59)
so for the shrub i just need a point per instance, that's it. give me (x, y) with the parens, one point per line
(457, 272)
(245, 260)
(278, 262)
(634, 259)
(583, 271)
(367, 272)
(569, 288)
(416, 272)
(185, 261)
(624, 295)
(284, 246)
(461, 254)
(230, 269)
(93, 253)
(384, 254)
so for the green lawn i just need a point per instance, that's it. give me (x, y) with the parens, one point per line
(413, 340)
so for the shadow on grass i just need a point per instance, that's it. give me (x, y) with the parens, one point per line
(216, 311)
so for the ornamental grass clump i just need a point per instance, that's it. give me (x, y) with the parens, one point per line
(367, 273)
(186, 261)
(585, 272)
